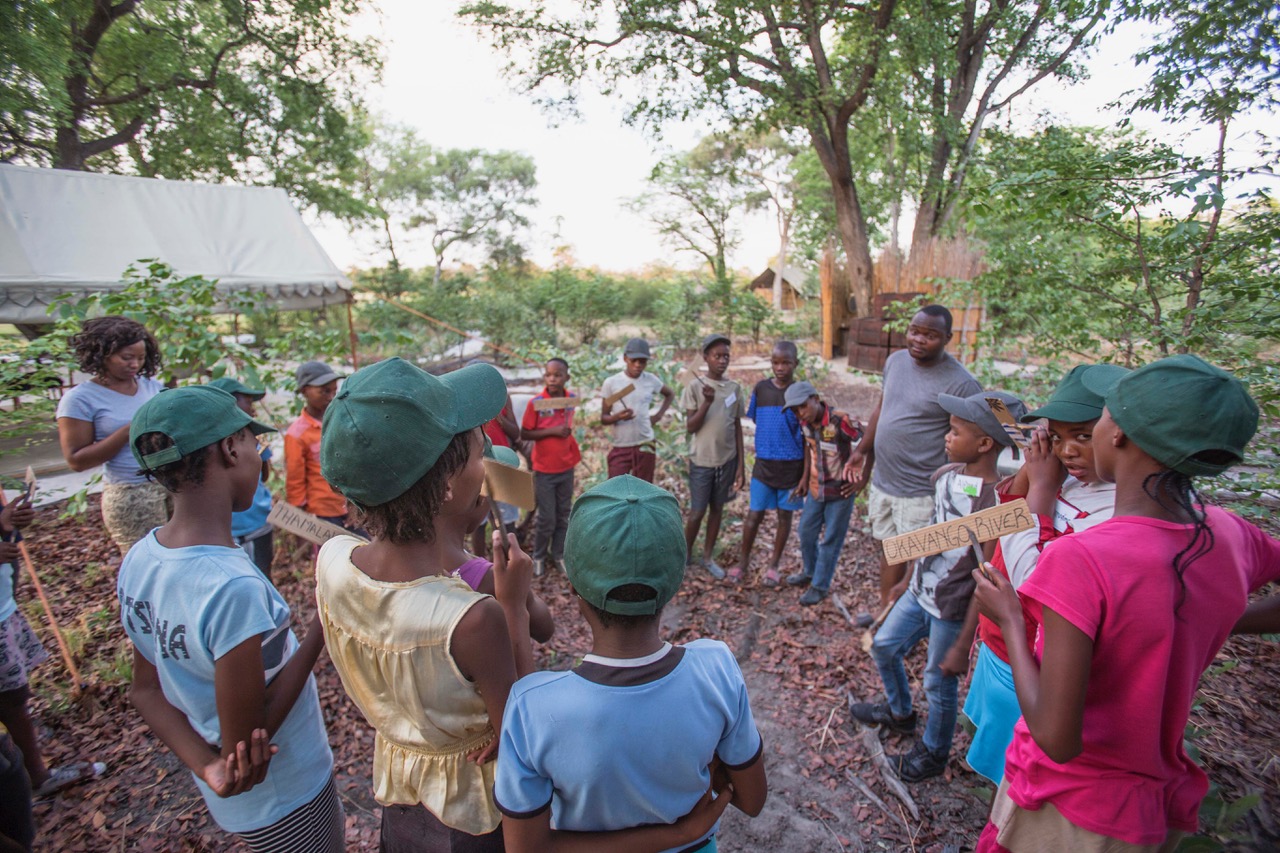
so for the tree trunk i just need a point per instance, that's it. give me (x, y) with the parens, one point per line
(833, 153)
(779, 283)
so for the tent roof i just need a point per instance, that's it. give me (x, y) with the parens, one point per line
(77, 232)
(794, 277)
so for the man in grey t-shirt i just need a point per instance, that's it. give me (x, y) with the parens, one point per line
(905, 441)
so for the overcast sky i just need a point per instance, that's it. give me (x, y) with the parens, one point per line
(444, 80)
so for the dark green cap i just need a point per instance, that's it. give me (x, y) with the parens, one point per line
(1072, 402)
(625, 531)
(192, 417)
(1179, 407)
(235, 386)
(391, 421)
(501, 453)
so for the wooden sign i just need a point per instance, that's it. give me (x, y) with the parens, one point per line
(615, 397)
(986, 524)
(685, 376)
(289, 518)
(509, 485)
(544, 404)
(1012, 428)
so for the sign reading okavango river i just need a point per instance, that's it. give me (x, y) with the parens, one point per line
(986, 524)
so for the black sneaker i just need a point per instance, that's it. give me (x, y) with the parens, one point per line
(799, 579)
(878, 714)
(812, 596)
(918, 764)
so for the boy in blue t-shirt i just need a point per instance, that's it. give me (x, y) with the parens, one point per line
(250, 528)
(636, 735)
(779, 467)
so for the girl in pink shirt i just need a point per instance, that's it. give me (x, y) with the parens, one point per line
(1132, 612)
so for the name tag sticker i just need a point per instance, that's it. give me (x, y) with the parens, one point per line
(971, 486)
(827, 446)
(730, 400)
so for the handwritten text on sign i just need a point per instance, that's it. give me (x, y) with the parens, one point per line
(302, 523)
(986, 524)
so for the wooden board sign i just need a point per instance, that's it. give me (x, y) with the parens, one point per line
(1012, 428)
(31, 484)
(545, 404)
(510, 485)
(302, 523)
(614, 398)
(986, 524)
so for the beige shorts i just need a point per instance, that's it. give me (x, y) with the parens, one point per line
(892, 516)
(132, 510)
(1020, 829)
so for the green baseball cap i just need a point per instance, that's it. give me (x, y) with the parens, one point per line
(391, 421)
(501, 453)
(625, 531)
(1180, 408)
(1072, 402)
(235, 386)
(192, 417)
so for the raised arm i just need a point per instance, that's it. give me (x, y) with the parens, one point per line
(80, 449)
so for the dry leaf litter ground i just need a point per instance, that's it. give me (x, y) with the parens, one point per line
(798, 664)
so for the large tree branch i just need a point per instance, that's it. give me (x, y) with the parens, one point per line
(125, 134)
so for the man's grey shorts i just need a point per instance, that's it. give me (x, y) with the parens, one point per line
(892, 516)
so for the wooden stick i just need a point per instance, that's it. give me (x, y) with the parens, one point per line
(870, 636)
(871, 740)
(871, 795)
(844, 611)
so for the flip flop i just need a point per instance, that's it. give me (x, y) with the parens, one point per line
(68, 775)
(771, 578)
(734, 575)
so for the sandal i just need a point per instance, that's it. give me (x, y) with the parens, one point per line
(734, 575)
(68, 775)
(771, 578)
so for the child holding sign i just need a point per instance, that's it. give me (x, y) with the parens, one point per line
(936, 594)
(633, 451)
(1132, 613)
(427, 659)
(555, 453)
(1061, 486)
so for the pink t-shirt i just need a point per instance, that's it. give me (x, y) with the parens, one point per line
(1116, 583)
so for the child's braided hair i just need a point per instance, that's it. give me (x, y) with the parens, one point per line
(1174, 491)
(102, 337)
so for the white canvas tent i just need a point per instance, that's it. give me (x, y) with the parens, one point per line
(77, 232)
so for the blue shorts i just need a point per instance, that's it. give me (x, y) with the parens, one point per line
(767, 497)
(992, 706)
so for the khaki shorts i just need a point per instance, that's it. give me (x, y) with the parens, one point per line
(1020, 829)
(890, 516)
(132, 510)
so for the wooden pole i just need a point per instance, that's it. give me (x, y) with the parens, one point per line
(445, 325)
(351, 330)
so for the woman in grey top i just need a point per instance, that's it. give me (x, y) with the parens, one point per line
(93, 422)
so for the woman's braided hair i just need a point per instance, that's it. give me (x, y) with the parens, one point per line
(102, 337)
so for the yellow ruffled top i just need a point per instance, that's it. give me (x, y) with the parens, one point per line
(390, 644)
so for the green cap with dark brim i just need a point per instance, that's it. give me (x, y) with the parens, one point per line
(192, 417)
(391, 421)
(625, 531)
(1182, 412)
(1072, 401)
(235, 386)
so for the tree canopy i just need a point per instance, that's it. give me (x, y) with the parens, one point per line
(247, 91)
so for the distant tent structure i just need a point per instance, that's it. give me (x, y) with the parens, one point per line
(64, 232)
(794, 292)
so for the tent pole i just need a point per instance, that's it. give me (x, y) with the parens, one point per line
(351, 328)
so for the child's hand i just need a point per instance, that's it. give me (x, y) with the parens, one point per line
(854, 472)
(704, 814)
(563, 431)
(484, 754)
(242, 769)
(626, 414)
(801, 489)
(511, 571)
(708, 394)
(17, 513)
(998, 601)
(955, 662)
(1041, 464)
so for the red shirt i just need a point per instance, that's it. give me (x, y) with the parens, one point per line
(494, 430)
(552, 455)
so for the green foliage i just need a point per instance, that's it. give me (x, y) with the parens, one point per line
(680, 314)
(246, 92)
(1216, 812)
(458, 197)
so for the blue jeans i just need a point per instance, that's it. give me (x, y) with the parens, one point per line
(907, 624)
(830, 521)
